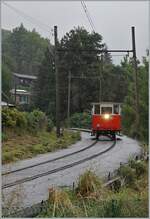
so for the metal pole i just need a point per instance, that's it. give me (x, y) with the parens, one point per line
(69, 94)
(136, 78)
(57, 84)
(100, 79)
(15, 92)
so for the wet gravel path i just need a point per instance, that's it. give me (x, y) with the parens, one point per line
(32, 192)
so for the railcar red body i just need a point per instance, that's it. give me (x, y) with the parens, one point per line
(106, 119)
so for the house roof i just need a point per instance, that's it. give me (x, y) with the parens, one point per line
(33, 77)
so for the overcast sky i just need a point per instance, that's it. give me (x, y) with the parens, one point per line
(113, 20)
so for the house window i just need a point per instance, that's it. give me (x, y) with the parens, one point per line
(24, 99)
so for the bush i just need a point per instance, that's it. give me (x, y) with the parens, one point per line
(50, 125)
(88, 183)
(4, 137)
(21, 121)
(13, 118)
(139, 166)
(7, 156)
(112, 208)
(128, 174)
(37, 120)
(33, 121)
(81, 120)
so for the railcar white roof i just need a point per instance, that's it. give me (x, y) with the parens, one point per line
(105, 103)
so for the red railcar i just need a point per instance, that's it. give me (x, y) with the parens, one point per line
(106, 119)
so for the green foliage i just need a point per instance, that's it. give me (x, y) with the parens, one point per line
(139, 166)
(112, 208)
(6, 79)
(32, 121)
(22, 52)
(50, 124)
(81, 120)
(83, 91)
(81, 95)
(37, 120)
(4, 137)
(13, 118)
(129, 106)
(26, 145)
(128, 174)
(128, 202)
(26, 48)
(44, 89)
(88, 183)
(28, 51)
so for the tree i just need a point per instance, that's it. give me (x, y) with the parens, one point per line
(129, 110)
(22, 52)
(81, 64)
(44, 90)
(7, 67)
(85, 68)
(26, 48)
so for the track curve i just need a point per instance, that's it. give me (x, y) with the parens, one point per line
(49, 161)
(59, 168)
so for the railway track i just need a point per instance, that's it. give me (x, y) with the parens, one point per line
(57, 158)
(50, 161)
(59, 168)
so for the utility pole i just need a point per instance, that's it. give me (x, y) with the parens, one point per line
(100, 78)
(69, 94)
(57, 84)
(15, 91)
(136, 78)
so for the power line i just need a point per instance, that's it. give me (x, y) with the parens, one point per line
(88, 15)
(29, 18)
(33, 21)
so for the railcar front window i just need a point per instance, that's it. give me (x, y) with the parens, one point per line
(106, 110)
(97, 109)
(116, 109)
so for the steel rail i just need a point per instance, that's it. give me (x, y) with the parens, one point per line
(58, 169)
(49, 161)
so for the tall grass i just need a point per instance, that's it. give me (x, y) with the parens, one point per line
(91, 199)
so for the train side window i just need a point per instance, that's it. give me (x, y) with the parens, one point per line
(97, 109)
(116, 109)
(106, 110)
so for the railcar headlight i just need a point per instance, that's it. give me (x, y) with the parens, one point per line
(106, 116)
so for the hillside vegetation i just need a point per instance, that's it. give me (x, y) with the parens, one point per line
(91, 199)
(26, 135)
(93, 77)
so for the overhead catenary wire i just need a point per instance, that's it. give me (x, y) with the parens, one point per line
(28, 17)
(88, 15)
(33, 21)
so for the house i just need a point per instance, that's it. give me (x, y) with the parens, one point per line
(21, 96)
(21, 93)
(23, 80)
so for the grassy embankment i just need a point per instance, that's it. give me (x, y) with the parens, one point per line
(17, 146)
(91, 199)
